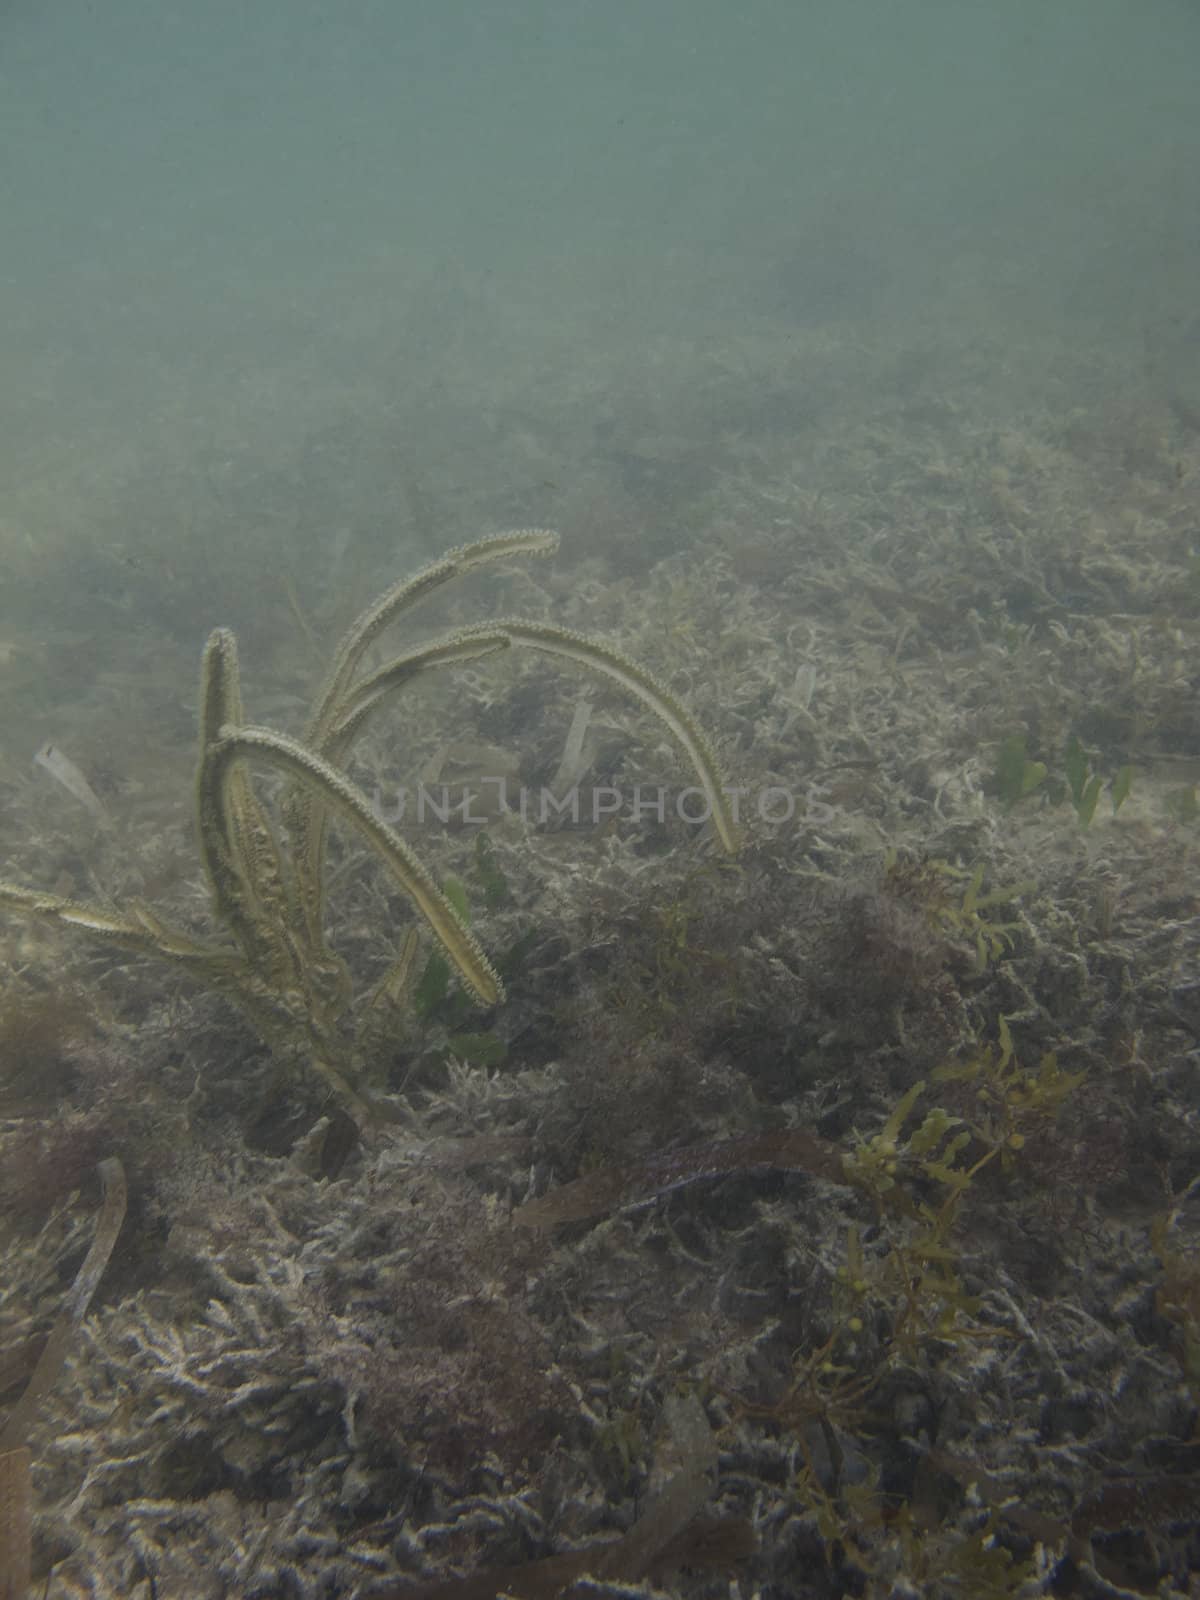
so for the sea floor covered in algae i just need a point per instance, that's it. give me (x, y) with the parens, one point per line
(821, 1221)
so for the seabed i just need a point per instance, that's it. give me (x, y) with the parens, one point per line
(819, 1219)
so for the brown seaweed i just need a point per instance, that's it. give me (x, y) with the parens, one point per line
(642, 1182)
(16, 1500)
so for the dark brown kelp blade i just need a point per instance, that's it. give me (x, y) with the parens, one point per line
(642, 1182)
(1120, 1505)
(672, 1532)
(15, 1493)
(711, 1544)
(16, 1519)
(54, 1352)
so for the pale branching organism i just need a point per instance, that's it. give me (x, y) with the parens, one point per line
(267, 886)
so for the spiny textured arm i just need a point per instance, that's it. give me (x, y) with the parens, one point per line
(399, 598)
(305, 819)
(447, 651)
(611, 664)
(341, 705)
(347, 800)
(237, 843)
(140, 930)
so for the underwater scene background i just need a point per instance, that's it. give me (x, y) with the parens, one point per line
(599, 811)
